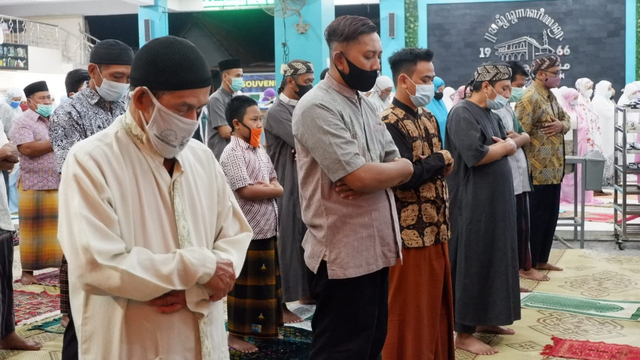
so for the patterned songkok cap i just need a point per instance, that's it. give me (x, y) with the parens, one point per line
(297, 67)
(492, 72)
(544, 63)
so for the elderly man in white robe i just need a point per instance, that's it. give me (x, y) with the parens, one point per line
(153, 234)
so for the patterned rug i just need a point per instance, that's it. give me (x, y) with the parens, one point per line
(594, 275)
(623, 310)
(51, 345)
(587, 350)
(51, 278)
(588, 276)
(29, 305)
(294, 345)
(51, 326)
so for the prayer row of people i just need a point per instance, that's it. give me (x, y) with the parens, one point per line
(403, 226)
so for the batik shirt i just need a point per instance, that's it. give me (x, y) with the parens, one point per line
(545, 153)
(38, 173)
(423, 201)
(84, 115)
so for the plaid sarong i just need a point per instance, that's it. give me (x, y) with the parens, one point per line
(255, 303)
(38, 215)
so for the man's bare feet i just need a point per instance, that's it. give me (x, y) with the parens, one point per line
(473, 345)
(240, 344)
(547, 266)
(524, 290)
(64, 321)
(533, 274)
(500, 330)
(289, 317)
(15, 342)
(28, 278)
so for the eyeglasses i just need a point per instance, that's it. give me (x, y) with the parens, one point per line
(554, 73)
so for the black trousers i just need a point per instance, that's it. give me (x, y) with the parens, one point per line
(70, 341)
(5, 175)
(7, 316)
(350, 322)
(544, 206)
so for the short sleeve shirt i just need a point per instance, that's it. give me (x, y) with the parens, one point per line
(337, 131)
(40, 173)
(216, 118)
(244, 165)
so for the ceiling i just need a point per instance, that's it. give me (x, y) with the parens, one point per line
(33, 8)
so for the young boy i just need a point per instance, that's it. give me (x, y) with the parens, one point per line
(254, 303)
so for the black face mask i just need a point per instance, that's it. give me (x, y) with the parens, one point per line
(438, 96)
(302, 89)
(357, 78)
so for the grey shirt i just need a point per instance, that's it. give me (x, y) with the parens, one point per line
(336, 132)
(216, 118)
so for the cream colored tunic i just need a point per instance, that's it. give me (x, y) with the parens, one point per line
(118, 230)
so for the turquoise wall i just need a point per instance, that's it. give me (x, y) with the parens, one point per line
(159, 17)
(310, 46)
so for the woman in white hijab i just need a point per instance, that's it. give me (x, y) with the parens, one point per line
(631, 92)
(604, 108)
(448, 93)
(380, 95)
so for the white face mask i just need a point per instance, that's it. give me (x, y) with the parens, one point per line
(424, 94)
(169, 132)
(589, 93)
(573, 103)
(111, 90)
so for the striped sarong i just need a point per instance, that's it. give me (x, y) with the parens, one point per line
(38, 215)
(254, 304)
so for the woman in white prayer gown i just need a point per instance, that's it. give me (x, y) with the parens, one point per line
(604, 108)
(448, 95)
(380, 95)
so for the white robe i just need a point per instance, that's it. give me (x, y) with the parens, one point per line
(117, 228)
(604, 107)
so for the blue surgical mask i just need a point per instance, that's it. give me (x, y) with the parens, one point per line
(236, 84)
(14, 104)
(44, 110)
(111, 90)
(516, 94)
(498, 103)
(424, 94)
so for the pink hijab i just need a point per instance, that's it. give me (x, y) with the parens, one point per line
(460, 95)
(568, 95)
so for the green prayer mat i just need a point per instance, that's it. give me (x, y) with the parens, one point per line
(52, 326)
(623, 310)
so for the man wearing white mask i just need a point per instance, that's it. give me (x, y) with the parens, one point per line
(152, 248)
(421, 285)
(218, 130)
(92, 110)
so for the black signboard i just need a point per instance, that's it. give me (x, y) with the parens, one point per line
(14, 57)
(589, 35)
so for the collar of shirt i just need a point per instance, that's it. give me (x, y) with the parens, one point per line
(93, 97)
(406, 108)
(542, 90)
(343, 90)
(236, 141)
(224, 92)
(34, 116)
(141, 139)
(285, 99)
